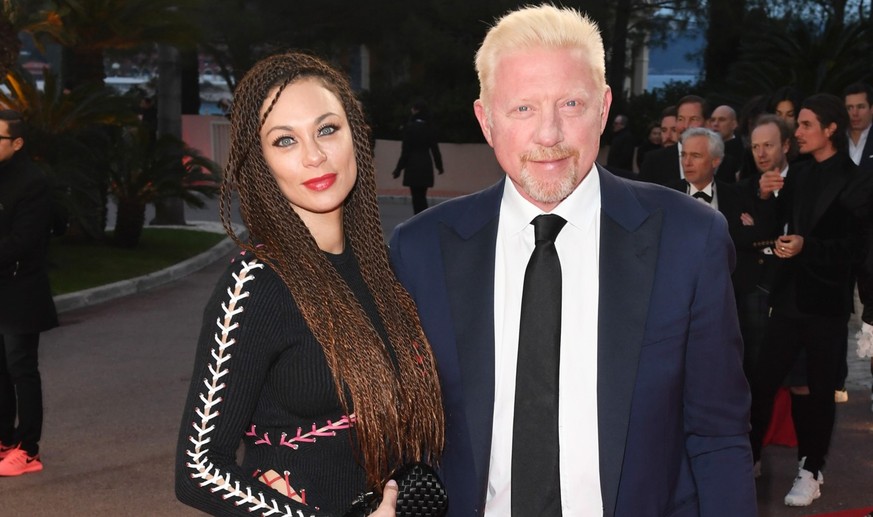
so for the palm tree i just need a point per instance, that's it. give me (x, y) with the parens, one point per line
(143, 171)
(804, 56)
(88, 28)
(65, 136)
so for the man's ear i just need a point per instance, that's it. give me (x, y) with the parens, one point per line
(482, 117)
(17, 144)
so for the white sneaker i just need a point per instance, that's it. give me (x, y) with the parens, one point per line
(806, 489)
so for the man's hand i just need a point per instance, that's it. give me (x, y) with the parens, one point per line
(770, 181)
(747, 219)
(788, 246)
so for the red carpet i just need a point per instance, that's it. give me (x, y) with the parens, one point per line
(860, 512)
(781, 430)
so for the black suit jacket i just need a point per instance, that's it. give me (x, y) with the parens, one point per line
(821, 275)
(733, 200)
(26, 304)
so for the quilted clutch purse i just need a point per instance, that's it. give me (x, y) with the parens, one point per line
(420, 494)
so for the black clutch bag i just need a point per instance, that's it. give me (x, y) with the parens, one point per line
(420, 494)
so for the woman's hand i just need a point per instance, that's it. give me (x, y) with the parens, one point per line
(388, 507)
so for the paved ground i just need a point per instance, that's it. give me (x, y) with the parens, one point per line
(116, 374)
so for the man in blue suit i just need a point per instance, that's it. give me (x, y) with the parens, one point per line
(652, 404)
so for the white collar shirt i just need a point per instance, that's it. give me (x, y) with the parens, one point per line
(578, 246)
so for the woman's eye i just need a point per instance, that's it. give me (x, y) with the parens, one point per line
(283, 141)
(523, 108)
(572, 104)
(327, 130)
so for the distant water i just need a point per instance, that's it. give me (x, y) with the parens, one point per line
(659, 80)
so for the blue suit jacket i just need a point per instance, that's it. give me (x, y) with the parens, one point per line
(672, 399)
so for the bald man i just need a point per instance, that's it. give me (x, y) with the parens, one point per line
(724, 122)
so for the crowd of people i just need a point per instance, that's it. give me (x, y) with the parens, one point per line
(793, 177)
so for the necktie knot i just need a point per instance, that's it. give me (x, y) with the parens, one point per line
(547, 227)
(702, 195)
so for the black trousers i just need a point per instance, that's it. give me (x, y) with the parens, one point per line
(820, 337)
(419, 199)
(20, 391)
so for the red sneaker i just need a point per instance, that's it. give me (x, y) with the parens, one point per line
(4, 450)
(17, 462)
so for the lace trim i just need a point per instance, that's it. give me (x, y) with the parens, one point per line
(212, 477)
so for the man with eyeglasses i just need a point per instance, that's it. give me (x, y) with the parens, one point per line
(26, 306)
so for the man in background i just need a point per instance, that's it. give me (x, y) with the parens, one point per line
(26, 306)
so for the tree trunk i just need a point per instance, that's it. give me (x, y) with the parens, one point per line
(615, 75)
(169, 211)
(723, 36)
(129, 222)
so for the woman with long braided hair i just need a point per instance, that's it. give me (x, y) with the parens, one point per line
(310, 352)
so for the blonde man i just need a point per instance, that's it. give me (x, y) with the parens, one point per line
(629, 396)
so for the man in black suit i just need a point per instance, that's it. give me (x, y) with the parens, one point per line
(724, 122)
(620, 159)
(26, 306)
(859, 104)
(702, 152)
(664, 167)
(811, 297)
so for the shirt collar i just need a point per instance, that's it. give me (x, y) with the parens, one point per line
(709, 190)
(578, 209)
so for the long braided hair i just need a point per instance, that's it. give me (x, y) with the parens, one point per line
(399, 415)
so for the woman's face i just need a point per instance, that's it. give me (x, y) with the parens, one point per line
(655, 135)
(785, 111)
(307, 144)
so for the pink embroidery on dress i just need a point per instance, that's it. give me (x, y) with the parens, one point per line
(328, 430)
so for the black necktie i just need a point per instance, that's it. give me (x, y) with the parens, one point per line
(536, 487)
(702, 195)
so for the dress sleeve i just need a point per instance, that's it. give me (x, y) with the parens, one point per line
(241, 335)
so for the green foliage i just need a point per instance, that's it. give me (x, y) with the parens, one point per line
(75, 264)
(805, 56)
(65, 137)
(647, 107)
(143, 170)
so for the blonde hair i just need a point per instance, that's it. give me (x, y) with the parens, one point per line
(536, 27)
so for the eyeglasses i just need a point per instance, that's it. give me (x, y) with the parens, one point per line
(7, 137)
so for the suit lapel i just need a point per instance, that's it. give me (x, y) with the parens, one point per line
(468, 246)
(629, 236)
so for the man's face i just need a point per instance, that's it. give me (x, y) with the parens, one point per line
(768, 150)
(8, 146)
(812, 138)
(723, 121)
(860, 113)
(546, 117)
(697, 162)
(688, 115)
(669, 135)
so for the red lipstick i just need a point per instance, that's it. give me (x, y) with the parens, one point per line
(321, 183)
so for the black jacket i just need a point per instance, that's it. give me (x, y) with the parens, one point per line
(419, 143)
(26, 304)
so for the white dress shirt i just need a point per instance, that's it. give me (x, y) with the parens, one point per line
(709, 190)
(578, 247)
(856, 151)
